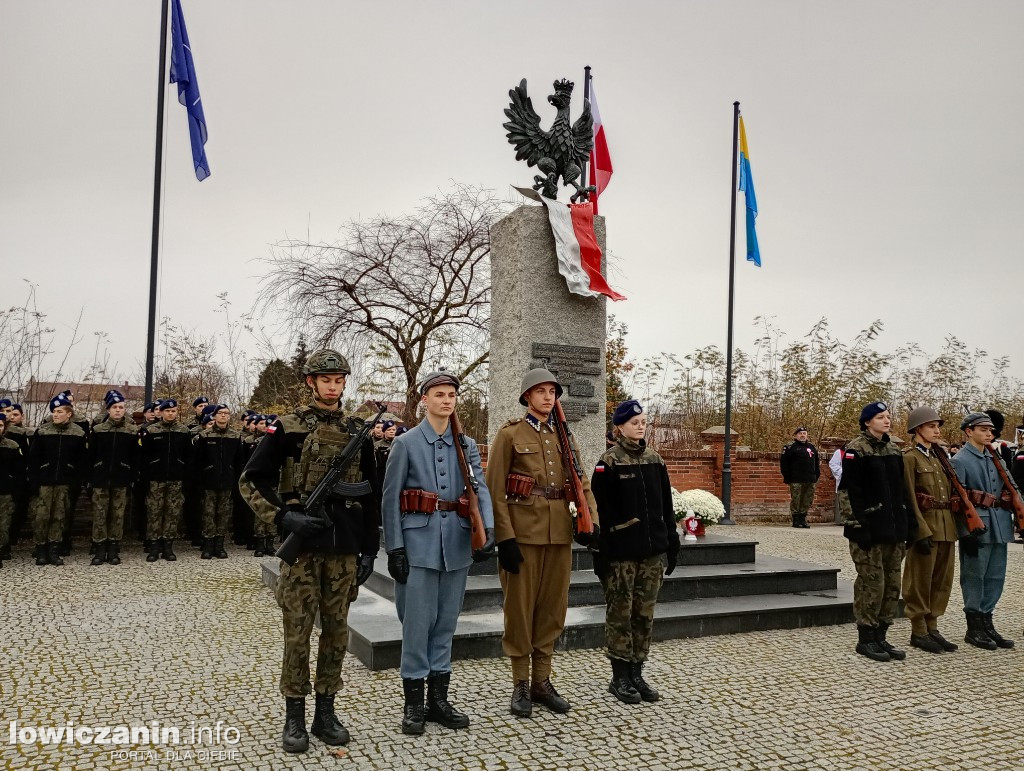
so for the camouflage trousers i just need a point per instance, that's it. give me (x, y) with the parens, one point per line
(631, 591)
(876, 592)
(6, 513)
(217, 505)
(164, 503)
(49, 509)
(261, 529)
(108, 506)
(801, 496)
(324, 583)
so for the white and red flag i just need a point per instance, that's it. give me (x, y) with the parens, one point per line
(600, 159)
(579, 256)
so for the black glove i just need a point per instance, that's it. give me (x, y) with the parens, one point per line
(969, 546)
(588, 539)
(600, 565)
(398, 565)
(487, 550)
(296, 520)
(671, 560)
(365, 569)
(924, 546)
(509, 556)
(862, 537)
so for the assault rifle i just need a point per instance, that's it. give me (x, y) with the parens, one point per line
(332, 485)
(477, 536)
(582, 520)
(972, 520)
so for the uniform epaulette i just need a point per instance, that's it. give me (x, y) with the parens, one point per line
(512, 422)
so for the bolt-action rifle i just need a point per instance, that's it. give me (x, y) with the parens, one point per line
(582, 520)
(477, 536)
(1011, 488)
(972, 520)
(332, 485)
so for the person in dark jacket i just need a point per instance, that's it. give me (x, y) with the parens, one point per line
(337, 555)
(631, 487)
(165, 448)
(217, 455)
(113, 464)
(12, 480)
(879, 524)
(55, 460)
(17, 433)
(801, 467)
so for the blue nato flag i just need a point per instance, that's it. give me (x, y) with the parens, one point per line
(747, 186)
(183, 72)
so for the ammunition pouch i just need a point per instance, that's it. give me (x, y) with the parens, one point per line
(424, 502)
(927, 502)
(987, 500)
(519, 485)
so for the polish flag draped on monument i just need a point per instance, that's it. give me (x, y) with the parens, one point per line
(579, 256)
(600, 158)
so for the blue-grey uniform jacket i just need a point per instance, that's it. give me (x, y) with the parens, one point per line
(976, 472)
(422, 460)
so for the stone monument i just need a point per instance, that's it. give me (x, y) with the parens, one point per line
(537, 322)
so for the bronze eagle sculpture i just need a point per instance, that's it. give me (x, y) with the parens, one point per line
(560, 152)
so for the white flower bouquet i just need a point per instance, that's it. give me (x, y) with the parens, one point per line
(706, 506)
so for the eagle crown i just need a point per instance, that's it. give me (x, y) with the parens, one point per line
(563, 93)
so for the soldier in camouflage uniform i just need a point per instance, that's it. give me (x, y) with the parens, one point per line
(633, 494)
(337, 555)
(928, 571)
(55, 460)
(17, 433)
(217, 458)
(878, 524)
(113, 466)
(165, 448)
(12, 480)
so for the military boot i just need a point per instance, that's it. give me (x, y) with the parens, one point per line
(926, 643)
(40, 554)
(796, 520)
(326, 725)
(413, 720)
(258, 551)
(167, 552)
(636, 672)
(155, 547)
(218, 548)
(976, 634)
(621, 686)
(868, 645)
(207, 549)
(993, 635)
(114, 552)
(803, 521)
(521, 705)
(5, 551)
(894, 653)
(64, 546)
(544, 693)
(294, 737)
(439, 709)
(947, 646)
(53, 553)
(99, 551)
(268, 545)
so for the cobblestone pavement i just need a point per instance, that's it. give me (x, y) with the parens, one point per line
(197, 643)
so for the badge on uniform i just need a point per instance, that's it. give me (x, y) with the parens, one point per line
(849, 455)
(271, 429)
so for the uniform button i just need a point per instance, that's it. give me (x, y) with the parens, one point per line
(444, 514)
(440, 445)
(444, 487)
(442, 472)
(551, 463)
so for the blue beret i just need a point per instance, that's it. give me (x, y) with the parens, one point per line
(3, 417)
(205, 420)
(626, 411)
(60, 400)
(17, 407)
(271, 418)
(401, 430)
(388, 424)
(113, 397)
(209, 409)
(798, 429)
(200, 400)
(249, 413)
(168, 404)
(150, 406)
(869, 411)
(5, 403)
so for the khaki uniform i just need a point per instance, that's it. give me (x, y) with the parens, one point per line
(537, 597)
(928, 578)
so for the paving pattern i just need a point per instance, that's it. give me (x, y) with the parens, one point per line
(197, 642)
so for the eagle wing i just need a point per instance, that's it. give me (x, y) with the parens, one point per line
(583, 136)
(524, 132)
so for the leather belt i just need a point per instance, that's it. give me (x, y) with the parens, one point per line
(551, 492)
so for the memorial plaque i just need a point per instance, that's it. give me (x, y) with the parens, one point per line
(581, 388)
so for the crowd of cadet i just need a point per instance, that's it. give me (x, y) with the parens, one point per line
(907, 514)
(174, 477)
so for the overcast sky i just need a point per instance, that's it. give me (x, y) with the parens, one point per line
(883, 137)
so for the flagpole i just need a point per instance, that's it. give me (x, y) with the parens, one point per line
(157, 181)
(586, 95)
(727, 461)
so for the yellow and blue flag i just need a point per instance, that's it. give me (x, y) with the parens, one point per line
(183, 72)
(747, 186)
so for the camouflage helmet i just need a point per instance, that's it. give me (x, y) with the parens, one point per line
(920, 416)
(326, 362)
(534, 378)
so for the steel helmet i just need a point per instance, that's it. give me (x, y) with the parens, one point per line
(921, 415)
(534, 378)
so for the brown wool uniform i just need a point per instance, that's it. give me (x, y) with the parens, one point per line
(537, 597)
(928, 578)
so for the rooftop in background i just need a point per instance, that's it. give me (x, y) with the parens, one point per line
(41, 391)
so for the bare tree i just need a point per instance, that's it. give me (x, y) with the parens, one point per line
(413, 289)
